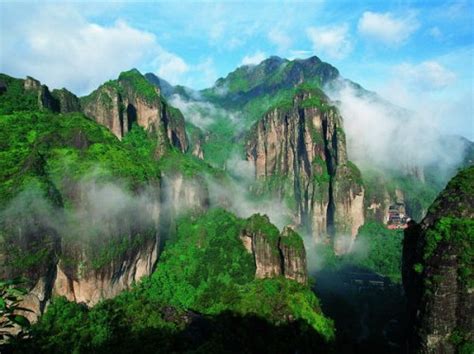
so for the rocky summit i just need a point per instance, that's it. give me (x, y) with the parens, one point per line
(152, 216)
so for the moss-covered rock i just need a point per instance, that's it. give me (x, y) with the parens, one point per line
(438, 270)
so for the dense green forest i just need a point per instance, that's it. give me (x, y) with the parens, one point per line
(119, 199)
(204, 279)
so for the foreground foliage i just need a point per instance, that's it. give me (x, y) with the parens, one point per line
(203, 290)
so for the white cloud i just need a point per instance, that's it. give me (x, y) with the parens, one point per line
(383, 135)
(202, 113)
(280, 39)
(386, 28)
(299, 54)
(333, 41)
(254, 59)
(170, 66)
(426, 75)
(61, 48)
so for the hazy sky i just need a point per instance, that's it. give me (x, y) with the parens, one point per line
(401, 49)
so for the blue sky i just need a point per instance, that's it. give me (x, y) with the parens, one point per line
(402, 49)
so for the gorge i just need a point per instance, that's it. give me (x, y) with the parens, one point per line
(155, 225)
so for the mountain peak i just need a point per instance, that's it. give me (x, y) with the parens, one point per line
(130, 73)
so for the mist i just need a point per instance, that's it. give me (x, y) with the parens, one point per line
(203, 114)
(380, 134)
(97, 210)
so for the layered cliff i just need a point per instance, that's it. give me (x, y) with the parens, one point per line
(438, 276)
(79, 210)
(130, 99)
(298, 149)
(274, 253)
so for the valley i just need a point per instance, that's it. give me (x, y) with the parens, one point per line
(153, 216)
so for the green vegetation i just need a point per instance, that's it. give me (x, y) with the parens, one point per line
(139, 84)
(292, 239)
(320, 171)
(16, 98)
(221, 142)
(376, 249)
(173, 161)
(205, 272)
(44, 157)
(355, 174)
(379, 250)
(258, 223)
(57, 148)
(459, 234)
(456, 194)
(131, 82)
(11, 295)
(268, 78)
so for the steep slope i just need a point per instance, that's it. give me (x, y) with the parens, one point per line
(118, 104)
(75, 219)
(298, 150)
(203, 296)
(438, 276)
(274, 253)
(81, 212)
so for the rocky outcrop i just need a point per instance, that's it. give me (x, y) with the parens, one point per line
(275, 253)
(132, 99)
(197, 150)
(89, 286)
(294, 255)
(299, 151)
(182, 194)
(98, 267)
(30, 95)
(437, 271)
(68, 102)
(45, 99)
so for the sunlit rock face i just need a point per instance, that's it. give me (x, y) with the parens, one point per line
(90, 286)
(107, 240)
(131, 99)
(437, 271)
(274, 253)
(300, 151)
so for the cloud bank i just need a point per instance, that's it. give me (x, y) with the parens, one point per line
(383, 135)
(387, 28)
(333, 41)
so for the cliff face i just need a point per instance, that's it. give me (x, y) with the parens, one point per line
(56, 231)
(437, 271)
(89, 286)
(275, 253)
(68, 102)
(299, 151)
(132, 99)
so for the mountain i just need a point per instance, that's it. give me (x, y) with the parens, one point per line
(26, 95)
(89, 208)
(118, 104)
(268, 77)
(136, 213)
(437, 271)
(240, 104)
(298, 151)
